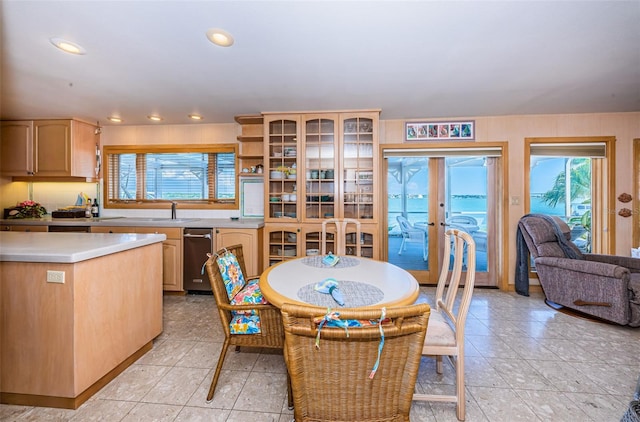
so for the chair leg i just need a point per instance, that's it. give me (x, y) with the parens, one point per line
(289, 392)
(216, 375)
(460, 405)
(439, 366)
(402, 246)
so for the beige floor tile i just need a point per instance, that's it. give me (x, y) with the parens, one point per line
(226, 394)
(177, 386)
(200, 414)
(264, 391)
(103, 410)
(151, 412)
(499, 404)
(133, 383)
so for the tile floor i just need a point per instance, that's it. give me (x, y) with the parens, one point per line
(525, 362)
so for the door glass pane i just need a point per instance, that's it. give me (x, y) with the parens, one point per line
(408, 205)
(552, 193)
(466, 201)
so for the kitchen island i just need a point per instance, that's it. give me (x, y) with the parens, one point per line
(76, 310)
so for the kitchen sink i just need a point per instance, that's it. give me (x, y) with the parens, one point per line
(164, 220)
(157, 220)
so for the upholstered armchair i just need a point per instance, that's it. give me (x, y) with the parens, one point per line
(603, 286)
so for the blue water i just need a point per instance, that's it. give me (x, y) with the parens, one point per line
(473, 205)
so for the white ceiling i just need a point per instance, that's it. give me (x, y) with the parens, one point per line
(412, 59)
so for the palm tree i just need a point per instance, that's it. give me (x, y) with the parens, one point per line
(580, 173)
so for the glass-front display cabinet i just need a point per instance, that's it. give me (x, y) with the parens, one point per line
(319, 166)
(358, 145)
(281, 155)
(319, 148)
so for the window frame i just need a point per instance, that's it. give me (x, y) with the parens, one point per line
(110, 150)
(603, 185)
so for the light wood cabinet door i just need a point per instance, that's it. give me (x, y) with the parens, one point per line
(171, 256)
(112, 229)
(52, 147)
(251, 241)
(282, 242)
(16, 142)
(172, 265)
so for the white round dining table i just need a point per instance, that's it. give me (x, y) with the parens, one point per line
(363, 282)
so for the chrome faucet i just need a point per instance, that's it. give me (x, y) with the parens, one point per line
(173, 209)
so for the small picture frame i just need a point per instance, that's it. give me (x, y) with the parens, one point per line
(438, 131)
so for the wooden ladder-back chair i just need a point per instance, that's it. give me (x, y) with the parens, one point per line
(238, 298)
(340, 235)
(333, 382)
(445, 335)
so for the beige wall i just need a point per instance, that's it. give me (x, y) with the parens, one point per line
(170, 134)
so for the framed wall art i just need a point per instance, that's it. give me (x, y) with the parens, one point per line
(439, 131)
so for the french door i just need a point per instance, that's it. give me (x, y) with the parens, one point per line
(434, 190)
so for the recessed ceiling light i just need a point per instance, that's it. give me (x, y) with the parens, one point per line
(195, 117)
(154, 118)
(114, 119)
(220, 37)
(67, 46)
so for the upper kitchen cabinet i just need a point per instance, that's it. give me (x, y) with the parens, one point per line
(50, 150)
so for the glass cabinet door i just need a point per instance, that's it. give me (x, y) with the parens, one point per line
(358, 166)
(282, 157)
(312, 241)
(320, 167)
(282, 244)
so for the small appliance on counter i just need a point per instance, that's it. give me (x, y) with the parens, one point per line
(69, 212)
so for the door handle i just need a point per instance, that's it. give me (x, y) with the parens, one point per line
(205, 236)
(431, 224)
(444, 224)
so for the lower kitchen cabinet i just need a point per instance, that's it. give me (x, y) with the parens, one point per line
(287, 241)
(251, 241)
(171, 256)
(171, 251)
(23, 228)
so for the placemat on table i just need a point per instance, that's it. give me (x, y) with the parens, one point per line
(355, 294)
(316, 261)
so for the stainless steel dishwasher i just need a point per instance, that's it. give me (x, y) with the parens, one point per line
(197, 243)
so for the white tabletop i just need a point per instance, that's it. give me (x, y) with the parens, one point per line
(282, 282)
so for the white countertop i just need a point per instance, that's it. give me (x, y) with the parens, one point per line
(68, 247)
(241, 223)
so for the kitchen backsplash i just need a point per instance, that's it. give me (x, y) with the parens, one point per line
(53, 196)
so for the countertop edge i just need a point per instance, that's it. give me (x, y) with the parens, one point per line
(69, 248)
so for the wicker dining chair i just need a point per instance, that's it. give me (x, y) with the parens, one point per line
(270, 335)
(333, 382)
(445, 335)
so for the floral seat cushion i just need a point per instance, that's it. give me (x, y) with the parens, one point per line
(247, 322)
(240, 293)
(231, 273)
